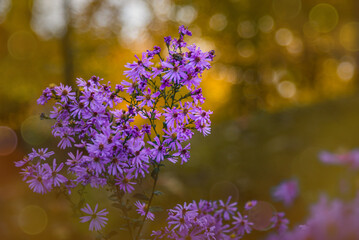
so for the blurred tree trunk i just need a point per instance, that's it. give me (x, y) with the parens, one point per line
(67, 48)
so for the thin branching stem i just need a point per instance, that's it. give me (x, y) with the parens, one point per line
(149, 203)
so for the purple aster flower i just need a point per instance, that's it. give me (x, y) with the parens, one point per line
(174, 73)
(42, 153)
(168, 40)
(78, 109)
(227, 209)
(86, 85)
(286, 192)
(197, 96)
(173, 116)
(201, 116)
(56, 178)
(124, 182)
(27, 172)
(203, 207)
(241, 224)
(184, 133)
(158, 151)
(24, 161)
(181, 217)
(64, 92)
(148, 98)
(183, 152)
(97, 218)
(116, 165)
(138, 69)
(66, 138)
(192, 80)
(171, 139)
(46, 96)
(40, 181)
(100, 146)
(74, 160)
(142, 208)
(165, 82)
(156, 50)
(184, 31)
(250, 204)
(130, 87)
(197, 58)
(204, 128)
(95, 80)
(96, 163)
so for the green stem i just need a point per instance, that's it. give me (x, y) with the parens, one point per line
(128, 222)
(149, 204)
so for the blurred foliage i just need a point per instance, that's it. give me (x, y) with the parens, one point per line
(271, 55)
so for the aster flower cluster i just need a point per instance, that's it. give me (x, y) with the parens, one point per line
(111, 148)
(119, 136)
(40, 175)
(211, 220)
(329, 219)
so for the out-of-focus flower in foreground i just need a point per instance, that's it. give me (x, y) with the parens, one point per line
(286, 192)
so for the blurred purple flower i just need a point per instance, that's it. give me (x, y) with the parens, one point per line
(286, 192)
(350, 159)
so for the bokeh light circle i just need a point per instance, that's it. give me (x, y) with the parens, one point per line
(266, 24)
(32, 220)
(296, 46)
(218, 22)
(186, 14)
(323, 17)
(287, 89)
(222, 190)
(246, 29)
(22, 45)
(283, 36)
(8, 140)
(345, 70)
(35, 131)
(349, 36)
(261, 215)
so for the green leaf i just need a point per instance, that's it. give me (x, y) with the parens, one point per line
(157, 193)
(156, 209)
(155, 172)
(141, 196)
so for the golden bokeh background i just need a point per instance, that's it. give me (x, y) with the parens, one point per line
(284, 86)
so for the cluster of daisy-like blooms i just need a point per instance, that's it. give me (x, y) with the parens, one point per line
(335, 219)
(118, 135)
(211, 220)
